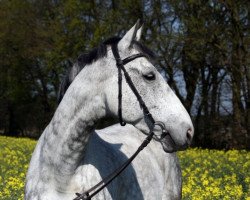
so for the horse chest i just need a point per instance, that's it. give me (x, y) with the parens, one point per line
(103, 155)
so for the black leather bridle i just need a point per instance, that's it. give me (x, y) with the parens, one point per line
(87, 195)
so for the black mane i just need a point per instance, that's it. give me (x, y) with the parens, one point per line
(96, 53)
(92, 56)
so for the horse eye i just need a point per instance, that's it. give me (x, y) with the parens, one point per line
(150, 76)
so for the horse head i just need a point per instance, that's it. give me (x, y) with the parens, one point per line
(160, 100)
(100, 68)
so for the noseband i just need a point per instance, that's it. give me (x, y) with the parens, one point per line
(120, 65)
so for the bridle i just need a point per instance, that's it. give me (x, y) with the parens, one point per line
(87, 195)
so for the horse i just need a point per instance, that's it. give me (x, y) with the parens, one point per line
(70, 157)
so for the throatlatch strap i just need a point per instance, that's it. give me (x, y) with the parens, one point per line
(118, 63)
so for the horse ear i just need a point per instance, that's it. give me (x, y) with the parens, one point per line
(139, 33)
(131, 35)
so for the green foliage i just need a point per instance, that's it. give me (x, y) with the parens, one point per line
(38, 41)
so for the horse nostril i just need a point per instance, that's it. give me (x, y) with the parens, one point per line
(189, 135)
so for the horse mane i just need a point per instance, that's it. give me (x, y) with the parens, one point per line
(92, 56)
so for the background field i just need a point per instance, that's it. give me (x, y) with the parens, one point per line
(207, 174)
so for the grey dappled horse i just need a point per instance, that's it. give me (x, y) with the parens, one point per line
(70, 157)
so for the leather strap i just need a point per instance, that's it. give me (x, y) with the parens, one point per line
(120, 65)
(107, 180)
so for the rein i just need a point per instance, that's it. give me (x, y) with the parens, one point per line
(120, 65)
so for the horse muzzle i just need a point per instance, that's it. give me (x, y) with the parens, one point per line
(168, 142)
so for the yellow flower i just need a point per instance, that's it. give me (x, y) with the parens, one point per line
(212, 174)
(207, 174)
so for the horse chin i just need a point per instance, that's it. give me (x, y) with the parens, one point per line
(168, 144)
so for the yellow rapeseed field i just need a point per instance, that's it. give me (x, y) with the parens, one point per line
(213, 174)
(207, 174)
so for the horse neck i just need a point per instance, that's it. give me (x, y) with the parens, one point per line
(66, 136)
